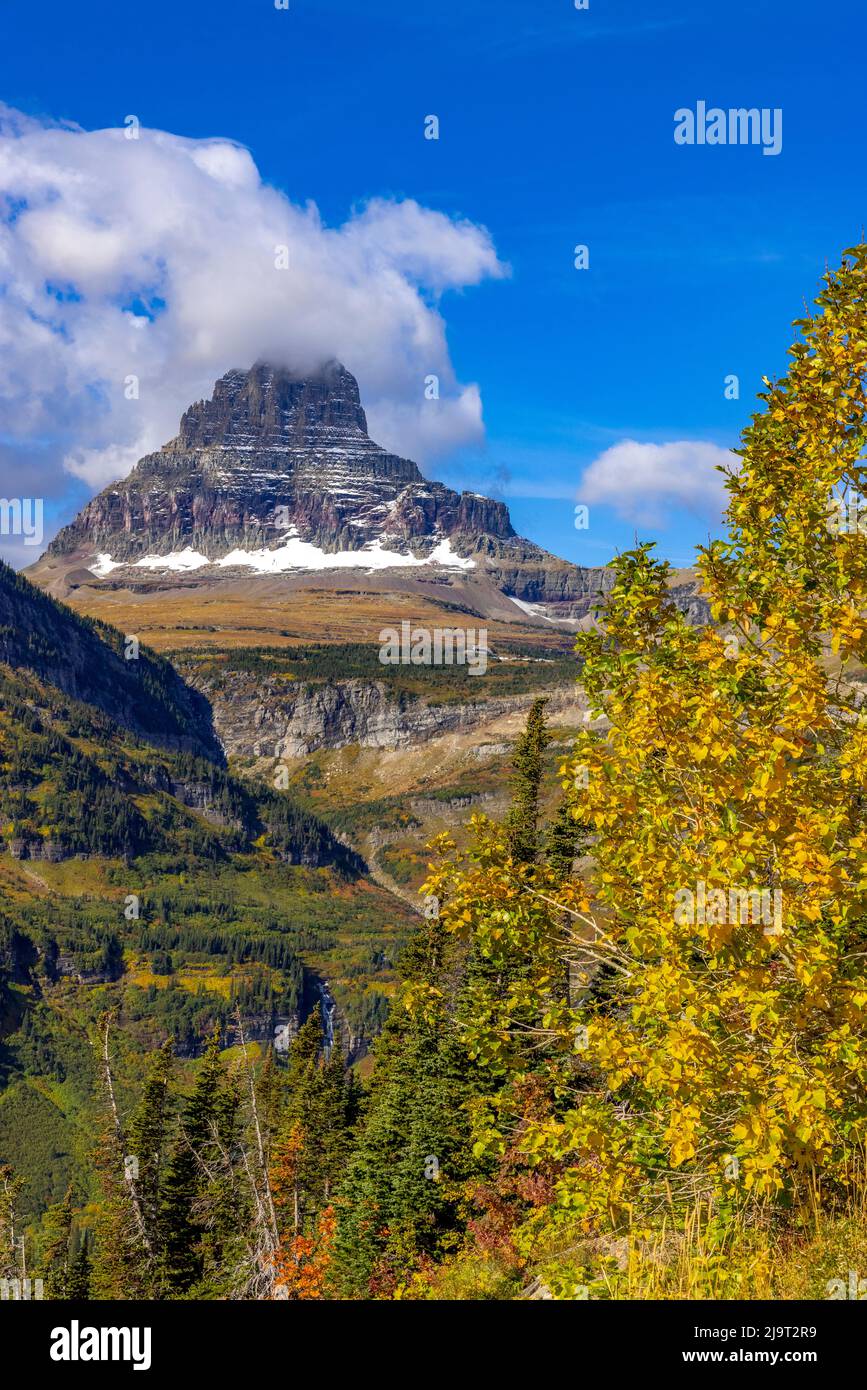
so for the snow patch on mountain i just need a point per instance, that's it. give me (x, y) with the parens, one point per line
(535, 610)
(293, 554)
(103, 566)
(180, 560)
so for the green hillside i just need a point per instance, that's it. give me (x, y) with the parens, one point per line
(138, 876)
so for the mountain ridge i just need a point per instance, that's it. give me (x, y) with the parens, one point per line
(278, 474)
(85, 660)
(303, 447)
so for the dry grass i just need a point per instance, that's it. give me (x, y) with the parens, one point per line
(260, 613)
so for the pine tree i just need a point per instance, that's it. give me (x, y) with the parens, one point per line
(270, 1092)
(402, 1201)
(123, 1263)
(146, 1138)
(56, 1259)
(78, 1284)
(334, 1112)
(305, 1050)
(196, 1161)
(565, 838)
(311, 1149)
(528, 763)
(116, 1271)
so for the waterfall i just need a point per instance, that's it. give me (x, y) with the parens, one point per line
(327, 1006)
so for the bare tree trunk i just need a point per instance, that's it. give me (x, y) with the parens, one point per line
(260, 1184)
(260, 1144)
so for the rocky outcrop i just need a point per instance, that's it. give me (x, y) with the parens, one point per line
(269, 453)
(334, 715)
(48, 850)
(296, 721)
(267, 408)
(690, 602)
(199, 796)
(272, 456)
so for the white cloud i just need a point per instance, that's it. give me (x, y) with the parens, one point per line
(436, 431)
(643, 481)
(155, 258)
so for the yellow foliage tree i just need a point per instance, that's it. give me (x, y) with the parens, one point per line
(696, 1002)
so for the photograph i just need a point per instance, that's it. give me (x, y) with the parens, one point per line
(433, 677)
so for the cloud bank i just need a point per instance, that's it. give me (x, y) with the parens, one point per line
(162, 258)
(643, 482)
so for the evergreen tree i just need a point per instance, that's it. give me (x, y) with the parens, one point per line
(311, 1150)
(528, 763)
(335, 1106)
(270, 1093)
(118, 1259)
(78, 1286)
(305, 1050)
(402, 1201)
(566, 837)
(197, 1169)
(146, 1138)
(123, 1265)
(56, 1260)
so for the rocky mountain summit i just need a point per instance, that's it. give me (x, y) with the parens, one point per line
(278, 474)
(268, 455)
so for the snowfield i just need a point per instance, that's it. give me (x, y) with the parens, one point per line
(293, 554)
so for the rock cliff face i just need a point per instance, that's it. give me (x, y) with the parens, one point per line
(277, 477)
(299, 721)
(276, 473)
(270, 454)
(333, 716)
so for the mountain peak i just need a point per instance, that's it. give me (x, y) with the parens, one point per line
(273, 407)
(275, 472)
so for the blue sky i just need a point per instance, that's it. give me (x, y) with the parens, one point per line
(556, 128)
